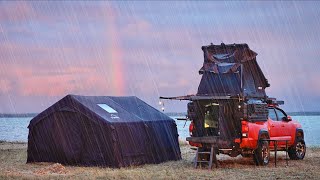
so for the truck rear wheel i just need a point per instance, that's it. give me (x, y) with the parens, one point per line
(298, 150)
(262, 154)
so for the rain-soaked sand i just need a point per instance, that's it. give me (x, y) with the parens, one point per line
(13, 165)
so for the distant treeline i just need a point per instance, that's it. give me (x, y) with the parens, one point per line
(167, 113)
(19, 115)
(304, 113)
(176, 113)
(34, 114)
(290, 113)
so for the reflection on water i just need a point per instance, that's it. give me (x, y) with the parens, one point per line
(15, 129)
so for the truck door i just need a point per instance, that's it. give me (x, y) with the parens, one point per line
(273, 124)
(284, 125)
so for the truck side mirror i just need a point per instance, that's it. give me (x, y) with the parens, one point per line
(287, 118)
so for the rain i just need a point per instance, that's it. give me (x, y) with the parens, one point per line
(150, 49)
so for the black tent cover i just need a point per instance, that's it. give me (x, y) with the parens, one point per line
(233, 70)
(102, 131)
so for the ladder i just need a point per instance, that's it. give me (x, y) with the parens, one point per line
(201, 158)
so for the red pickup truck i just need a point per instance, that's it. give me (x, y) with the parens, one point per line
(278, 126)
(231, 111)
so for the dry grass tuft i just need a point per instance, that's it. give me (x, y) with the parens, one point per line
(55, 168)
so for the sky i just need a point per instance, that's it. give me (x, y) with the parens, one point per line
(150, 49)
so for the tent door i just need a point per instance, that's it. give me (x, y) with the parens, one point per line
(133, 142)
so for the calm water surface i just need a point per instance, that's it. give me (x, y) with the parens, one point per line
(15, 129)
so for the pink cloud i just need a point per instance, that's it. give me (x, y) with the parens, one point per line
(29, 81)
(51, 86)
(60, 85)
(5, 86)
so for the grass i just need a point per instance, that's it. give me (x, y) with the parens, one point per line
(13, 165)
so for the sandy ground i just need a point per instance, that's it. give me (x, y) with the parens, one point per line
(13, 165)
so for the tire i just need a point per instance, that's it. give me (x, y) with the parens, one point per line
(298, 150)
(262, 154)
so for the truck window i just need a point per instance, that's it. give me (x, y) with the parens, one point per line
(272, 114)
(280, 114)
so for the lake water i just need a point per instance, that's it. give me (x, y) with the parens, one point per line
(15, 129)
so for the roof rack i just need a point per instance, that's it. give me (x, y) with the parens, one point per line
(199, 97)
(274, 101)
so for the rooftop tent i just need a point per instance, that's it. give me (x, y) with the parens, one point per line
(223, 82)
(102, 131)
(231, 70)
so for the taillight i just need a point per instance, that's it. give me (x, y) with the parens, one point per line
(244, 128)
(190, 132)
(191, 128)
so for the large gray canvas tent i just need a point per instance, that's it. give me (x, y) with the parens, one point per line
(102, 131)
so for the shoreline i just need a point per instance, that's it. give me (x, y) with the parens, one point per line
(13, 157)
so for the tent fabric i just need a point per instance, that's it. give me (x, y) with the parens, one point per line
(230, 53)
(231, 70)
(227, 84)
(220, 68)
(102, 131)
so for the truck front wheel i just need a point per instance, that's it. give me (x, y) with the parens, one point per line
(298, 150)
(262, 153)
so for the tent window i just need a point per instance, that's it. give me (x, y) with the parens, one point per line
(107, 108)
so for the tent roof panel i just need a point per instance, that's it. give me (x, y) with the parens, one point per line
(105, 108)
